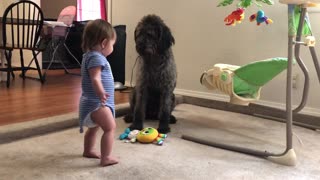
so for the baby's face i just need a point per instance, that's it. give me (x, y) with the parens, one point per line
(107, 47)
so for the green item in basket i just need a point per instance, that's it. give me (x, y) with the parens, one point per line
(249, 78)
(243, 89)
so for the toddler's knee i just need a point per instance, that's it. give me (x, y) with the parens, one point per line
(109, 127)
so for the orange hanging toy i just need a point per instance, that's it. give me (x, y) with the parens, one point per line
(235, 17)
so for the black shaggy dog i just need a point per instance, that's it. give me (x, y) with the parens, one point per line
(152, 97)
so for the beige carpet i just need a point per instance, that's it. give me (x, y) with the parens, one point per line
(57, 155)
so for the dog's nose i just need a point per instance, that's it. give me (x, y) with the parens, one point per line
(148, 50)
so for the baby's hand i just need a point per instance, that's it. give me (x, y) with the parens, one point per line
(104, 98)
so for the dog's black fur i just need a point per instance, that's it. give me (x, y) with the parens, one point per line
(153, 97)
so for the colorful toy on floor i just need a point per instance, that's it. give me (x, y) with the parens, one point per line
(235, 17)
(129, 136)
(146, 135)
(125, 134)
(259, 17)
(151, 135)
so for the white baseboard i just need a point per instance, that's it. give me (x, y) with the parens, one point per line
(223, 97)
(204, 95)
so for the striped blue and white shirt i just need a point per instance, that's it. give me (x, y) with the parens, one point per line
(89, 101)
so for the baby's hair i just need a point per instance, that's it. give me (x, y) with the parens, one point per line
(95, 32)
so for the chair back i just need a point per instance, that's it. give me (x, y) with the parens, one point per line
(22, 23)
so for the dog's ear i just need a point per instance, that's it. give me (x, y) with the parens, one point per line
(166, 38)
(136, 31)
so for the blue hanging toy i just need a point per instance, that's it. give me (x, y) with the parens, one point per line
(260, 18)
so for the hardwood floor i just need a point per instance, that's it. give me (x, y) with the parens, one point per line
(29, 99)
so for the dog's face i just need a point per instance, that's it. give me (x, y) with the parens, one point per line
(152, 36)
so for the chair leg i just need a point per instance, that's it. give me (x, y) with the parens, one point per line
(38, 67)
(8, 55)
(23, 75)
(12, 72)
(28, 67)
(8, 78)
(31, 61)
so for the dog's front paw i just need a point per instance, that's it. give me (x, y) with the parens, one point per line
(163, 130)
(134, 126)
(173, 119)
(128, 118)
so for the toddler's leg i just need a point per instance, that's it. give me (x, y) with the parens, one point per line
(104, 118)
(89, 143)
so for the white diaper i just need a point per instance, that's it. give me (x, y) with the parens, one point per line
(88, 122)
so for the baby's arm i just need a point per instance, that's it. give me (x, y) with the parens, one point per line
(95, 76)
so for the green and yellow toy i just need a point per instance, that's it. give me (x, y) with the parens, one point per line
(146, 135)
(151, 135)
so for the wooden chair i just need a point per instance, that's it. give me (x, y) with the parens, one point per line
(21, 26)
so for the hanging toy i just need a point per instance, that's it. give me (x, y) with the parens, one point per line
(260, 18)
(235, 17)
(245, 3)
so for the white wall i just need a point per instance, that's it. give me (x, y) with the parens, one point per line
(3, 5)
(202, 40)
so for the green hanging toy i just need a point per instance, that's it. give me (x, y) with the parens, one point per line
(245, 3)
(238, 15)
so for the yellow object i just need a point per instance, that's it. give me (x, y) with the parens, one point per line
(147, 135)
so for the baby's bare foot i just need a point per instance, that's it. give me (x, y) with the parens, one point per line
(92, 154)
(109, 161)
